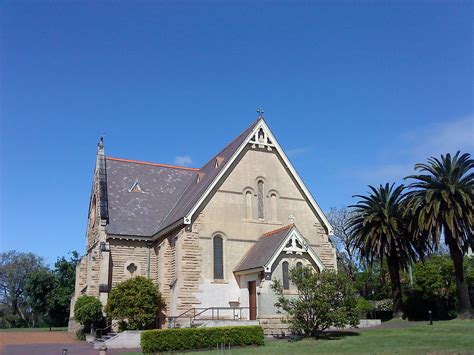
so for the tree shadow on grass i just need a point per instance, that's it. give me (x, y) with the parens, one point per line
(336, 335)
(327, 335)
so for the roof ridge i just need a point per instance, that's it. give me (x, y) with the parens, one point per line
(149, 163)
(278, 230)
(232, 141)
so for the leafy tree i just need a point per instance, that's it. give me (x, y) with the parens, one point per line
(339, 219)
(434, 288)
(135, 302)
(441, 203)
(324, 299)
(65, 273)
(40, 286)
(373, 282)
(88, 312)
(49, 292)
(14, 269)
(379, 233)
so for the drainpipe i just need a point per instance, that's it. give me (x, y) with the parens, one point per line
(148, 245)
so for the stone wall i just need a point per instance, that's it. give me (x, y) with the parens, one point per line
(125, 252)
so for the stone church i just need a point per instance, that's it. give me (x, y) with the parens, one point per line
(212, 238)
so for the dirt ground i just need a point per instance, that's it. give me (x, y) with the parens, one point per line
(13, 338)
(10, 340)
(46, 343)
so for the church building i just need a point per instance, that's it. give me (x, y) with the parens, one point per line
(211, 238)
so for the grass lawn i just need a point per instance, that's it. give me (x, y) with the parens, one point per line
(456, 336)
(53, 329)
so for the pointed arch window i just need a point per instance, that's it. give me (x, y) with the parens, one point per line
(248, 205)
(273, 204)
(299, 265)
(218, 258)
(286, 279)
(260, 192)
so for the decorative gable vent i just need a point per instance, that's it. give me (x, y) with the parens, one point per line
(218, 162)
(261, 139)
(135, 187)
(199, 177)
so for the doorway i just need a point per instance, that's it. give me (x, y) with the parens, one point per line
(252, 286)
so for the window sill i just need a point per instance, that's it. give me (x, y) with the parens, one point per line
(219, 281)
(274, 223)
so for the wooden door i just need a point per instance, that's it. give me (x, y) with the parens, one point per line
(252, 285)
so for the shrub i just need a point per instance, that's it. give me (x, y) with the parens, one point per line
(364, 306)
(135, 303)
(160, 340)
(324, 299)
(88, 312)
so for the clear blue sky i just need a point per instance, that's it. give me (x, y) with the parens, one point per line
(355, 92)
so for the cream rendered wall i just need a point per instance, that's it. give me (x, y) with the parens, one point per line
(225, 214)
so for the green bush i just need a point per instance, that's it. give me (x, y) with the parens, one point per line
(135, 303)
(160, 340)
(88, 312)
(324, 300)
(364, 306)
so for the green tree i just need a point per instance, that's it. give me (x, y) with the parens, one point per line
(324, 299)
(434, 288)
(88, 312)
(40, 286)
(379, 233)
(65, 273)
(14, 269)
(135, 302)
(441, 203)
(49, 292)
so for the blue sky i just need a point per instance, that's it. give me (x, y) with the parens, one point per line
(355, 92)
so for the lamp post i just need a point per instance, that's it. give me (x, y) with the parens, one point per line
(431, 317)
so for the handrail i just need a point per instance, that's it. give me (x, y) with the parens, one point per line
(198, 311)
(99, 332)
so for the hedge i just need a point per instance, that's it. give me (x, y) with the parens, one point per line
(159, 340)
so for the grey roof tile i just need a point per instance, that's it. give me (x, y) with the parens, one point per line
(261, 252)
(138, 213)
(195, 190)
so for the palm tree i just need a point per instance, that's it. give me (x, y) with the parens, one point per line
(379, 232)
(441, 202)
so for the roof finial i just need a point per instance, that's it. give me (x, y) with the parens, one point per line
(100, 145)
(260, 112)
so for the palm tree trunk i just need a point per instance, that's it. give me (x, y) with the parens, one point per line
(394, 270)
(465, 309)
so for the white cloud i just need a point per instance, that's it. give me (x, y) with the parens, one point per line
(417, 146)
(183, 160)
(296, 151)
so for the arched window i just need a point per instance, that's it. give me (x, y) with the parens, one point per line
(299, 265)
(273, 204)
(261, 213)
(286, 280)
(218, 258)
(248, 205)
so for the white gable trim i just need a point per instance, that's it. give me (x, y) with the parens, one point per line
(261, 125)
(294, 236)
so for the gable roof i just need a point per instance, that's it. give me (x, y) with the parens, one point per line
(208, 173)
(261, 252)
(264, 252)
(137, 213)
(195, 194)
